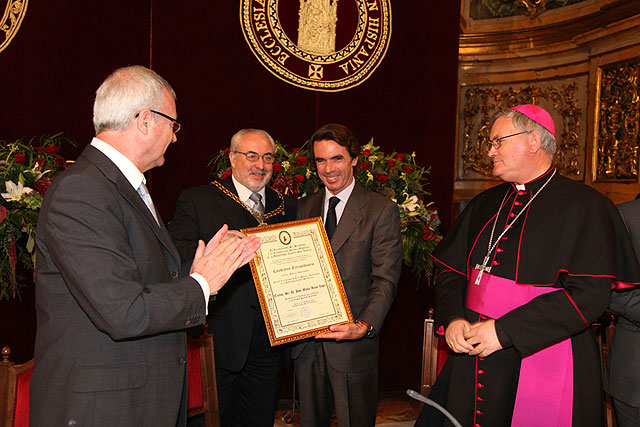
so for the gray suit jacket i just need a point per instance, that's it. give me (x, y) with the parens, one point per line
(622, 374)
(110, 350)
(368, 250)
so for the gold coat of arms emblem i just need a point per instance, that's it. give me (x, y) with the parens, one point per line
(14, 12)
(321, 45)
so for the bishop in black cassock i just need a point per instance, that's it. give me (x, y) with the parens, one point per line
(526, 269)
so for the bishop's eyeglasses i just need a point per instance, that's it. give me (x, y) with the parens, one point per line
(497, 142)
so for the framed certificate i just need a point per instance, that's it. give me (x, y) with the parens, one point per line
(297, 280)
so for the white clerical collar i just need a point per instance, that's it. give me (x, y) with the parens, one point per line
(520, 187)
(126, 166)
(244, 193)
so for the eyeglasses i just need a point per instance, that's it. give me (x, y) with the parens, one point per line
(253, 157)
(177, 124)
(497, 142)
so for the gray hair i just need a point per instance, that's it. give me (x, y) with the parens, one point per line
(524, 123)
(124, 93)
(237, 138)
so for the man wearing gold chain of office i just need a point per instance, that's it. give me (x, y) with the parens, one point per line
(247, 367)
(525, 270)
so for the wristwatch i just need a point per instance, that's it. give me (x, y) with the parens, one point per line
(371, 331)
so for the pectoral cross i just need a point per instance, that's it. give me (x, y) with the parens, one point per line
(482, 269)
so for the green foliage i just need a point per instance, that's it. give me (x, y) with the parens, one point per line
(26, 171)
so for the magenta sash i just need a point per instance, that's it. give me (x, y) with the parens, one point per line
(545, 388)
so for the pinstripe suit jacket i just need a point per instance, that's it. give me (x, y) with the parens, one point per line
(110, 349)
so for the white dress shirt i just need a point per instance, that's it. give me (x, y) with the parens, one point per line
(344, 198)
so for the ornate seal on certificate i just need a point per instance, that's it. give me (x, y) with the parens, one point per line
(14, 12)
(321, 45)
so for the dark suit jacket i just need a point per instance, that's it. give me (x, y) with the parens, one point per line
(110, 350)
(368, 250)
(200, 213)
(622, 375)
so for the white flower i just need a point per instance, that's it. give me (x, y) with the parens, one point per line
(285, 165)
(369, 176)
(36, 172)
(308, 174)
(411, 204)
(372, 158)
(15, 192)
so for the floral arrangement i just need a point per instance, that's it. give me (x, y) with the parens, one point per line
(26, 171)
(396, 176)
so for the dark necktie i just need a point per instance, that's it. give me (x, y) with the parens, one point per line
(332, 221)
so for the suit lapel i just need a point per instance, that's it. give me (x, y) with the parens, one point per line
(316, 201)
(351, 217)
(130, 195)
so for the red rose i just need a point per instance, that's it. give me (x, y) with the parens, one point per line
(20, 158)
(365, 166)
(41, 162)
(3, 213)
(399, 157)
(427, 234)
(51, 150)
(382, 178)
(277, 168)
(295, 150)
(60, 162)
(225, 175)
(42, 185)
(366, 153)
(300, 161)
(299, 178)
(227, 151)
(407, 169)
(39, 149)
(391, 162)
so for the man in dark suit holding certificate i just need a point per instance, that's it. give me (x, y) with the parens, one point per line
(248, 369)
(363, 227)
(110, 302)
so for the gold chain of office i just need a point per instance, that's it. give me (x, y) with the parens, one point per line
(260, 217)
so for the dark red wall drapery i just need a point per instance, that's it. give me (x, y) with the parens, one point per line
(64, 49)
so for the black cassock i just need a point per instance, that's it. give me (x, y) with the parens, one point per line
(571, 238)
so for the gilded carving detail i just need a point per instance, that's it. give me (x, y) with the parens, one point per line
(481, 104)
(11, 19)
(619, 113)
(487, 9)
(317, 26)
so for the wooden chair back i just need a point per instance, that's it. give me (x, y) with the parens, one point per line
(14, 391)
(202, 346)
(429, 355)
